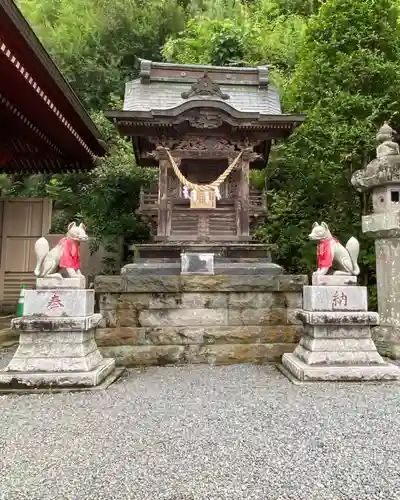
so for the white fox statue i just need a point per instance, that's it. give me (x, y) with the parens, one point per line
(331, 250)
(64, 258)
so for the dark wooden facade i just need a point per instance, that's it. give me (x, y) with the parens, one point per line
(43, 126)
(205, 116)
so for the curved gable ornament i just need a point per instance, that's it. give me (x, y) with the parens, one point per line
(205, 120)
(205, 86)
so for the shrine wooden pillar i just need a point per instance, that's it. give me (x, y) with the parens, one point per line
(244, 195)
(162, 197)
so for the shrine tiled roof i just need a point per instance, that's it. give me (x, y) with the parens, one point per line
(164, 86)
(165, 95)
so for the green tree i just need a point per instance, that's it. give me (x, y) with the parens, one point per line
(96, 43)
(239, 33)
(209, 42)
(217, 32)
(348, 82)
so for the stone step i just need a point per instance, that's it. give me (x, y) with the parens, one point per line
(224, 268)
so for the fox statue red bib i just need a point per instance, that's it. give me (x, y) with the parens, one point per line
(330, 251)
(64, 259)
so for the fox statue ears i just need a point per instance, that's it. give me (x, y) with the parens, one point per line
(325, 226)
(72, 225)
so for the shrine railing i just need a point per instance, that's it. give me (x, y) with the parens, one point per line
(148, 202)
(257, 201)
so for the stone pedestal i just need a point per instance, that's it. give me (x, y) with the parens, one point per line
(57, 347)
(337, 344)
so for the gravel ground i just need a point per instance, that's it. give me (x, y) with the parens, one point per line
(203, 433)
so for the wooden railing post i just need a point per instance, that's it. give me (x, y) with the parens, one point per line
(162, 197)
(244, 194)
(238, 218)
(168, 219)
(141, 198)
(264, 200)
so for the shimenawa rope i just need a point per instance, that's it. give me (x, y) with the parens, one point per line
(201, 187)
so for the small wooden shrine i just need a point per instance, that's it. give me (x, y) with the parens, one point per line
(204, 127)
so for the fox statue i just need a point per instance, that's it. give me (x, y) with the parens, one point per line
(64, 258)
(331, 250)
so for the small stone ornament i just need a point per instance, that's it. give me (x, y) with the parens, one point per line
(387, 146)
(330, 250)
(384, 169)
(64, 258)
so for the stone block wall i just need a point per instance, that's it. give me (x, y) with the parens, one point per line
(156, 320)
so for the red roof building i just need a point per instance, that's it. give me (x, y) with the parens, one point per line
(43, 125)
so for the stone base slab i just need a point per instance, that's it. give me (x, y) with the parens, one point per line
(59, 303)
(10, 380)
(338, 319)
(56, 351)
(345, 332)
(333, 280)
(303, 372)
(335, 298)
(63, 324)
(343, 358)
(64, 283)
(105, 384)
(362, 344)
(35, 360)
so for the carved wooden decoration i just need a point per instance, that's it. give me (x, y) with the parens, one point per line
(205, 86)
(174, 187)
(206, 143)
(205, 120)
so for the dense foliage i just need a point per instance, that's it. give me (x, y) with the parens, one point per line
(336, 60)
(347, 80)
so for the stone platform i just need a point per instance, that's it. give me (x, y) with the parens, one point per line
(57, 346)
(174, 319)
(337, 343)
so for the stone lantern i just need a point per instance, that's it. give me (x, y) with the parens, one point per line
(382, 177)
